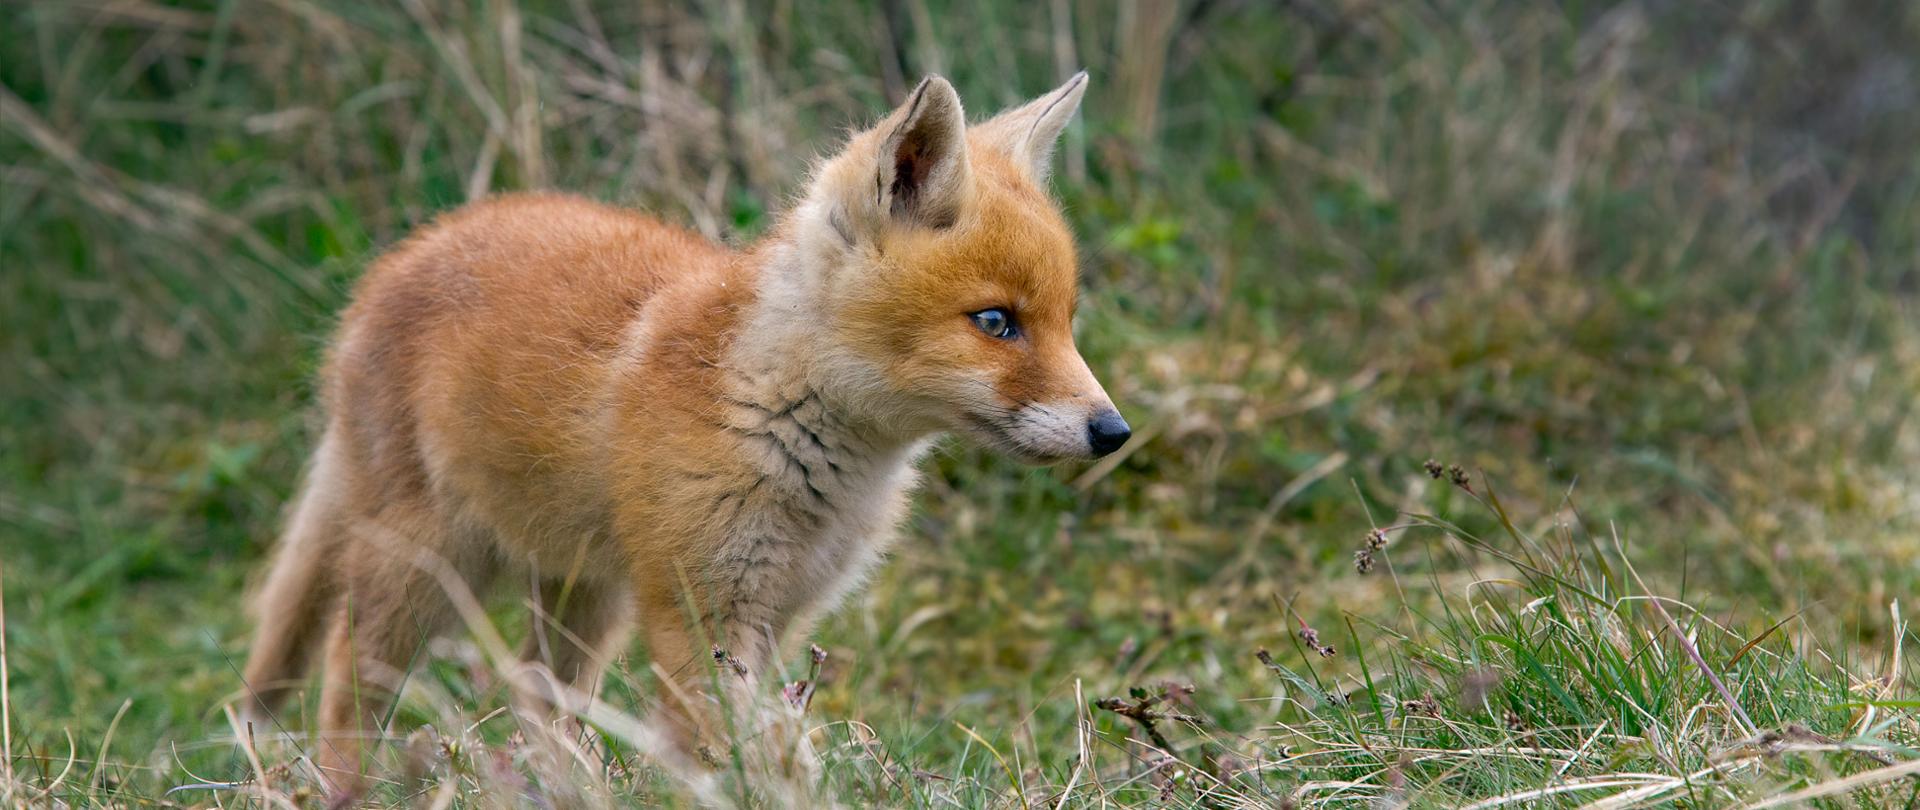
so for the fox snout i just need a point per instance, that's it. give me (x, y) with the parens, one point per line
(1049, 432)
(1101, 428)
(1044, 433)
(1107, 431)
(1082, 424)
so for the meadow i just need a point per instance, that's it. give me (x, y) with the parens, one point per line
(1525, 395)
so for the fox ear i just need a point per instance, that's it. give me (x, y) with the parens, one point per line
(1029, 131)
(914, 161)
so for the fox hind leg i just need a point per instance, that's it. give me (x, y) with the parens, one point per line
(294, 604)
(393, 599)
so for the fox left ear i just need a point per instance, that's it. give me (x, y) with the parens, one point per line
(912, 168)
(1029, 131)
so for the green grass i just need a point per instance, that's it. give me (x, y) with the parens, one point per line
(1646, 272)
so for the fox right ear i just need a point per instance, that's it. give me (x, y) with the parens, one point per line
(911, 168)
(1028, 132)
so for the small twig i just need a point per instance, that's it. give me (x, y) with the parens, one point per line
(1142, 710)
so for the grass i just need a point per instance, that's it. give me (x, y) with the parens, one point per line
(1646, 273)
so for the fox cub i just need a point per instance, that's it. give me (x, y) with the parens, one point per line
(653, 429)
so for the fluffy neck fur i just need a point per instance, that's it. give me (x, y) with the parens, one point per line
(788, 348)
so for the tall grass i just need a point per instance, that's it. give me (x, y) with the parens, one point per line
(1645, 271)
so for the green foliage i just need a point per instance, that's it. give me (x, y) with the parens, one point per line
(1646, 271)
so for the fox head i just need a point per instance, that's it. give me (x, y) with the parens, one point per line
(951, 279)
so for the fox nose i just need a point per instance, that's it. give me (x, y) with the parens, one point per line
(1107, 431)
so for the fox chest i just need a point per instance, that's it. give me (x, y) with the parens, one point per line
(807, 509)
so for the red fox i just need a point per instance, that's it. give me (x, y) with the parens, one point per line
(653, 428)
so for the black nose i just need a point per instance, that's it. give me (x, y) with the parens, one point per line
(1107, 432)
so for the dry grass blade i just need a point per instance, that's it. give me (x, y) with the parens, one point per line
(1572, 786)
(1642, 795)
(73, 756)
(106, 744)
(1546, 243)
(1763, 636)
(1312, 475)
(1836, 787)
(7, 781)
(1687, 645)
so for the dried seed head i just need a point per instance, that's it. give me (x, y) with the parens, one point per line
(1457, 475)
(797, 694)
(1364, 558)
(1434, 470)
(1312, 639)
(1423, 706)
(726, 660)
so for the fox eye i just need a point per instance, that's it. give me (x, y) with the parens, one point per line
(996, 322)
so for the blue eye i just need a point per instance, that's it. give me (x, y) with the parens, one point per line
(996, 323)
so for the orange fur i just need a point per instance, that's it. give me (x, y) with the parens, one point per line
(718, 444)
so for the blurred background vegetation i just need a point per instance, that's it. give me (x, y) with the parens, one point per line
(1651, 265)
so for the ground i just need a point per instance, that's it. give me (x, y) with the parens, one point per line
(1639, 280)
